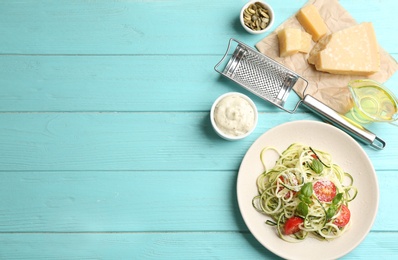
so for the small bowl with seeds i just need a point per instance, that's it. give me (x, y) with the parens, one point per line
(257, 17)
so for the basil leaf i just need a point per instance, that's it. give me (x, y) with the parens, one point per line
(305, 199)
(302, 209)
(316, 166)
(337, 198)
(306, 190)
(331, 212)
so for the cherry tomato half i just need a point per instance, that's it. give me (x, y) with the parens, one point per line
(343, 217)
(292, 225)
(325, 190)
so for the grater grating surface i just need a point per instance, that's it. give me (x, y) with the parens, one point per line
(260, 74)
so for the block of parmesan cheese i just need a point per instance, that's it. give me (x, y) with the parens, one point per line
(292, 41)
(289, 41)
(311, 20)
(352, 51)
(305, 42)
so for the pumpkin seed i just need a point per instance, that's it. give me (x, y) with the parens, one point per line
(256, 17)
(265, 14)
(252, 11)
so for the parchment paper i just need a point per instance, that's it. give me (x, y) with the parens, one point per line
(331, 89)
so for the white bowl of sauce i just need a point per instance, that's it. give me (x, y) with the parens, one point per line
(234, 116)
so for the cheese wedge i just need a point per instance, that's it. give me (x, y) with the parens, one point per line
(311, 20)
(305, 42)
(352, 51)
(292, 41)
(289, 41)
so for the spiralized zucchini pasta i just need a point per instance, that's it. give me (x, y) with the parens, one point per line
(305, 193)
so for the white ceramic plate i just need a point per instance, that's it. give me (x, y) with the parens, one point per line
(346, 152)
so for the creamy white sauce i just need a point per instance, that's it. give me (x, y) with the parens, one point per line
(234, 115)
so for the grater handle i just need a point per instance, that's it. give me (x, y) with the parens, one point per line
(352, 128)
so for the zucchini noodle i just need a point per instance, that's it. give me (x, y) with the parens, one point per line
(281, 192)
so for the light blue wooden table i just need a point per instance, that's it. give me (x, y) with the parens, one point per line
(106, 147)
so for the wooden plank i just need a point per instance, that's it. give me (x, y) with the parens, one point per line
(118, 27)
(138, 201)
(120, 141)
(119, 201)
(117, 83)
(186, 245)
